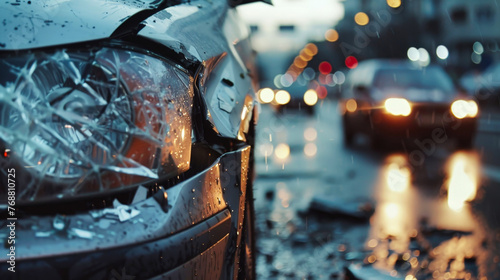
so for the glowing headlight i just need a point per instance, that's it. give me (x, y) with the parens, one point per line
(463, 108)
(398, 107)
(282, 97)
(311, 97)
(266, 95)
(82, 122)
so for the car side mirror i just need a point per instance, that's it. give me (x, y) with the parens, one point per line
(234, 3)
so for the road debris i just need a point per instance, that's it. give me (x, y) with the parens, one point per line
(357, 208)
(123, 212)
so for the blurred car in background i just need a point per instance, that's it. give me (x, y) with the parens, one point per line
(392, 99)
(126, 138)
(295, 97)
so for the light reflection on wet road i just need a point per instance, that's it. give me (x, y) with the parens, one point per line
(438, 220)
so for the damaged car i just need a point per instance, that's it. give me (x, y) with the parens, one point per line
(126, 139)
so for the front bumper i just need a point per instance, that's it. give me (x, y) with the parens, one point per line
(422, 122)
(191, 229)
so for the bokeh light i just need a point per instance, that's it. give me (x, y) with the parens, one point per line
(413, 54)
(361, 18)
(351, 105)
(325, 68)
(478, 48)
(330, 80)
(394, 3)
(282, 97)
(299, 62)
(308, 52)
(310, 97)
(310, 134)
(309, 74)
(304, 55)
(286, 80)
(476, 58)
(351, 62)
(331, 35)
(424, 57)
(313, 50)
(282, 151)
(292, 72)
(301, 80)
(442, 52)
(277, 81)
(266, 149)
(310, 149)
(323, 79)
(321, 92)
(266, 95)
(339, 77)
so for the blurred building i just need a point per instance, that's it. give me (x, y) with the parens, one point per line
(289, 24)
(280, 31)
(468, 29)
(387, 32)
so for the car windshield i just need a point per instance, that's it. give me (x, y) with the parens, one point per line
(431, 78)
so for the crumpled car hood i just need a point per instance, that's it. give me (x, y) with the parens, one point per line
(36, 24)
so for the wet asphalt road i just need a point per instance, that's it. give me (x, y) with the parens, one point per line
(324, 211)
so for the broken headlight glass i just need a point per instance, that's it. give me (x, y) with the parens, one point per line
(77, 122)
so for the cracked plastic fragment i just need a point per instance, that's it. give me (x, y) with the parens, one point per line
(60, 223)
(79, 122)
(123, 212)
(227, 99)
(81, 233)
(140, 195)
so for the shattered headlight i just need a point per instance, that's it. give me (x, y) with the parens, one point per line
(78, 122)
